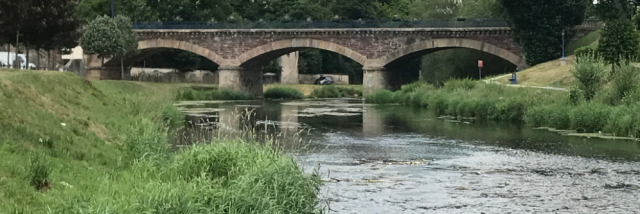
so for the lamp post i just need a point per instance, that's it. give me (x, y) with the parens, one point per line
(562, 43)
(112, 9)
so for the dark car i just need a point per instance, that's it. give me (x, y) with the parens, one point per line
(324, 81)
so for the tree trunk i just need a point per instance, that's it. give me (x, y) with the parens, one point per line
(49, 60)
(38, 64)
(16, 57)
(122, 67)
(26, 63)
(8, 54)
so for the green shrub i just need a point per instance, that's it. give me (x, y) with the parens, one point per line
(172, 117)
(145, 141)
(439, 104)
(190, 94)
(39, 170)
(631, 97)
(575, 95)
(623, 121)
(283, 93)
(346, 91)
(625, 81)
(589, 117)
(584, 52)
(554, 116)
(380, 97)
(331, 91)
(510, 109)
(416, 86)
(590, 74)
(459, 84)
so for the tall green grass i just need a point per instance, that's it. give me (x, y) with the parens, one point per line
(470, 99)
(189, 94)
(101, 147)
(283, 93)
(331, 91)
(614, 111)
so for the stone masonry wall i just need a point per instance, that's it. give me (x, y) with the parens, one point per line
(372, 43)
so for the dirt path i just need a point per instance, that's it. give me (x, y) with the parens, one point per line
(494, 81)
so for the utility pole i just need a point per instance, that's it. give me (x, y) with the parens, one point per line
(112, 9)
(562, 43)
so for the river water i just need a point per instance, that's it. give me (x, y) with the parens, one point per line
(396, 159)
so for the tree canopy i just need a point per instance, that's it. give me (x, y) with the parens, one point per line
(109, 38)
(620, 39)
(48, 24)
(538, 25)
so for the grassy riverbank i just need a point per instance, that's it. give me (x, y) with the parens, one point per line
(73, 146)
(606, 112)
(307, 89)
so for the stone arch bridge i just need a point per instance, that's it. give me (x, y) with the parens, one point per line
(240, 53)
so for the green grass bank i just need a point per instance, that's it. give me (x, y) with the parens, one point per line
(74, 146)
(611, 112)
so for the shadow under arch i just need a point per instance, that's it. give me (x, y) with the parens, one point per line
(262, 54)
(428, 46)
(151, 46)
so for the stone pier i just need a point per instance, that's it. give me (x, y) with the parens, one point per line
(376, 78)
(241, 79)
(289, 65)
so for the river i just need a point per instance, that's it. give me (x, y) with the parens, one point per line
(396, 159)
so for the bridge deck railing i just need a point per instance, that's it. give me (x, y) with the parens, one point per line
(467, 23)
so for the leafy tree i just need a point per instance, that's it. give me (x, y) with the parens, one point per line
(192, 10)
(434, 9)
(538, 25)
(356, 9)
(393, 8)
(110, 38)
(590, 73)
(619, 42)
(42, 23)
(481, 9)
(614, 9)
(101, 37)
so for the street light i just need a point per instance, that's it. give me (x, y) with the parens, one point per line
(562, 43)
(112, 9)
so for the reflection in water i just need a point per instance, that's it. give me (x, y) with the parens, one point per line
(393, 159)
(372, 121)
(289, 119)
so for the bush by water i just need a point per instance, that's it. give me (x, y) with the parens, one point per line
(331, 91)
(588, 108)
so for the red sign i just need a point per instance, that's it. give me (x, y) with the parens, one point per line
(480, 64)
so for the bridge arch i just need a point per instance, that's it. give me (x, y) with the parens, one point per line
(275, 49)
(150, 46)
(440, 44)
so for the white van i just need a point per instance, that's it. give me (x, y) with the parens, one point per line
(12, 57)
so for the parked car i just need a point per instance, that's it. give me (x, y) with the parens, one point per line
(324, 81)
